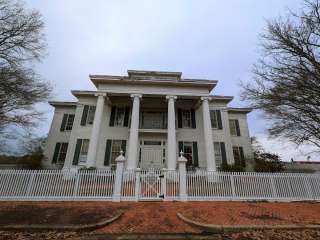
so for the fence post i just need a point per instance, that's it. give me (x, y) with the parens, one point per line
(233, 190)
(118, 180)
(137, 184)
(183, 177)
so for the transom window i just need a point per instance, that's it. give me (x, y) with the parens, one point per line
(119, 117)
(186, 119)
(84, 151)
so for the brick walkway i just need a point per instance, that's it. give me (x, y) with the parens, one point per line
(159, 217)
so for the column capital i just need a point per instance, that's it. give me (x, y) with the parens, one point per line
(134, 95)
(168, 97)
(102, 94)
(205, 98)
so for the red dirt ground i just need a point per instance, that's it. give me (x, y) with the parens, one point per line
(159, 217)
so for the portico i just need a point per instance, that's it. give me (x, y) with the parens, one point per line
(160, 147)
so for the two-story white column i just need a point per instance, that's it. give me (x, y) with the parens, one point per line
(134, 132)
(172, 140)
(207, 132)
(95, 133)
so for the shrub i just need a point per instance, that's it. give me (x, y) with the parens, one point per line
(267, 162)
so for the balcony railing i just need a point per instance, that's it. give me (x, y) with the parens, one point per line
(153, 120)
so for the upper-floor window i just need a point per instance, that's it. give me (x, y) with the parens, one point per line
(60, 153)
(215, 116)
(67, 122)
(234, 127)
(238, 156)
(186, 118)
(88, 115)
(119, 116)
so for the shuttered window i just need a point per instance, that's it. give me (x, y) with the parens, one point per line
(119, 116)
(219, 154)
(67, 122)
(190, 152)
(215, 116)
(186, 118)
(60, 153)
(81, 151)
(234, 127)
(238, 156)
(113, 148)
(88, 115)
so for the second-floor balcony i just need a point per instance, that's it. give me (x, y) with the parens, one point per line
(153, 120)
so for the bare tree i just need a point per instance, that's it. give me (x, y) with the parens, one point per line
(22, 43)
(286, 84)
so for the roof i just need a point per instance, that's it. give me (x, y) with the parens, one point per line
(62, 104)
(137, 77)
(240, 110)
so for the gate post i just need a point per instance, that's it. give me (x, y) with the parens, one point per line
(182, 177)
(118, 180)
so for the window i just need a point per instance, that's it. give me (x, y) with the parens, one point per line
(67, 122)
(215, 116)
(186, 119)
(234, 127)
(115, 150)
(60, 153)
(112, 151)
(84, 151)
(119, 117)
(217, 154)
(91, 112)
(187, 150)
(190, 150)
(238, 156)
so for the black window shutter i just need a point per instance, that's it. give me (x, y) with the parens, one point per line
(223, 153)
(179, 118)
(84, 115)
(126, 117)
(218, 112)
(64, 122)
(123, 146)
(180, 146)
(237, 127)
(193, 118)
(242, 161)
(195, 154)
(107, 154)
(112, 116)
(56, 153)
(77, 152)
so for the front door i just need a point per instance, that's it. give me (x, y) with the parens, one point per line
(152, 154)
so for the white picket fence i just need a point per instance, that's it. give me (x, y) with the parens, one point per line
(157, 184)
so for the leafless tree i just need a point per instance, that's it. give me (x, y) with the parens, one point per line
(286, 84)
(22, 43)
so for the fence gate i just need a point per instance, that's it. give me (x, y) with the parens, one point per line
(152, 185)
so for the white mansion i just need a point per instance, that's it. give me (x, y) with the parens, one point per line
(151, 116)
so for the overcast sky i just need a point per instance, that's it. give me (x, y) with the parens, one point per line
(202, 39)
